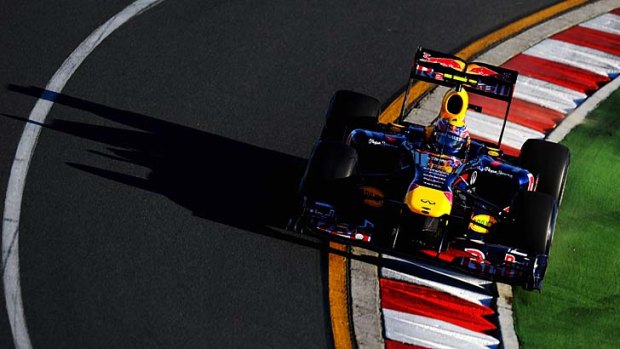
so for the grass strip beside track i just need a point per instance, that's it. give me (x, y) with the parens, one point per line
(580, 304)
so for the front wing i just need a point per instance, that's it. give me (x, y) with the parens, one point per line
(489, 261)
(496, 262)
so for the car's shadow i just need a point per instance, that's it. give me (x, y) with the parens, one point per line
(217, 178)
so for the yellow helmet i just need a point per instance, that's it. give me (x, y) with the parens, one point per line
(454, 106)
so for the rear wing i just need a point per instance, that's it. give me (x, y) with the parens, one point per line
(476, 77)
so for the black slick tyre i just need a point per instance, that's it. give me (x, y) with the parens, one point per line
(349, 110)
(330, 170)
(535, 214)
(549, 163)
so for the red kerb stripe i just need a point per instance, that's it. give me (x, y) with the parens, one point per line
(521, 112)
(424, 301)
(596, 39)
(560, 74)
(616, 12)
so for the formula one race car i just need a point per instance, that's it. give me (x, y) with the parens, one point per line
(431, 190)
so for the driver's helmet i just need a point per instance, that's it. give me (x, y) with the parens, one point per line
(450, 133)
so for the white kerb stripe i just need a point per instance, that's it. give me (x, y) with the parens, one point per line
(432, 333)
(456, 275)
(489, 127)
(470, 296)
(576, 56)
(608, 23)
(21, 163)
(548, 95)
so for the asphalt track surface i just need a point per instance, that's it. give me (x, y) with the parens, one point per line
(155, 200)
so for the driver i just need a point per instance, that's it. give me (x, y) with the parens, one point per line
(449, 134)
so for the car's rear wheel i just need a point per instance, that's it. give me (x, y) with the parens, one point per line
(349, 110)
(330, 173)
(549, 163)
(535, 214)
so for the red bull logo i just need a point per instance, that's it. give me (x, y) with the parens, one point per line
(483, 70)
(476, 69)
(452, 63)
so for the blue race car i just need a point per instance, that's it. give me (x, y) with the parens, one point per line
(432, 190)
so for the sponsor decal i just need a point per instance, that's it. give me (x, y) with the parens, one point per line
(484, 222)
(477, 254)
(372, 196)
(425, 72)
(490, 269)
(473, 68)
(429, 202)
(382, 143)
(495, 89)
(444, 62)
(497, 172)
(490, 71)
(446, 165)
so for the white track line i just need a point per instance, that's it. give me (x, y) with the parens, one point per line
(432, 333)
(608, 22)
(21, 163)
(577, 56)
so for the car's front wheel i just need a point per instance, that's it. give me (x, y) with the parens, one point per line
(534, 222)
(549, 163)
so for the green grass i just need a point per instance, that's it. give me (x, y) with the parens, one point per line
(580, 304)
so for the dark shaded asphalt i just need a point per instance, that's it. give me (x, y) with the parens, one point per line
(152, 211)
